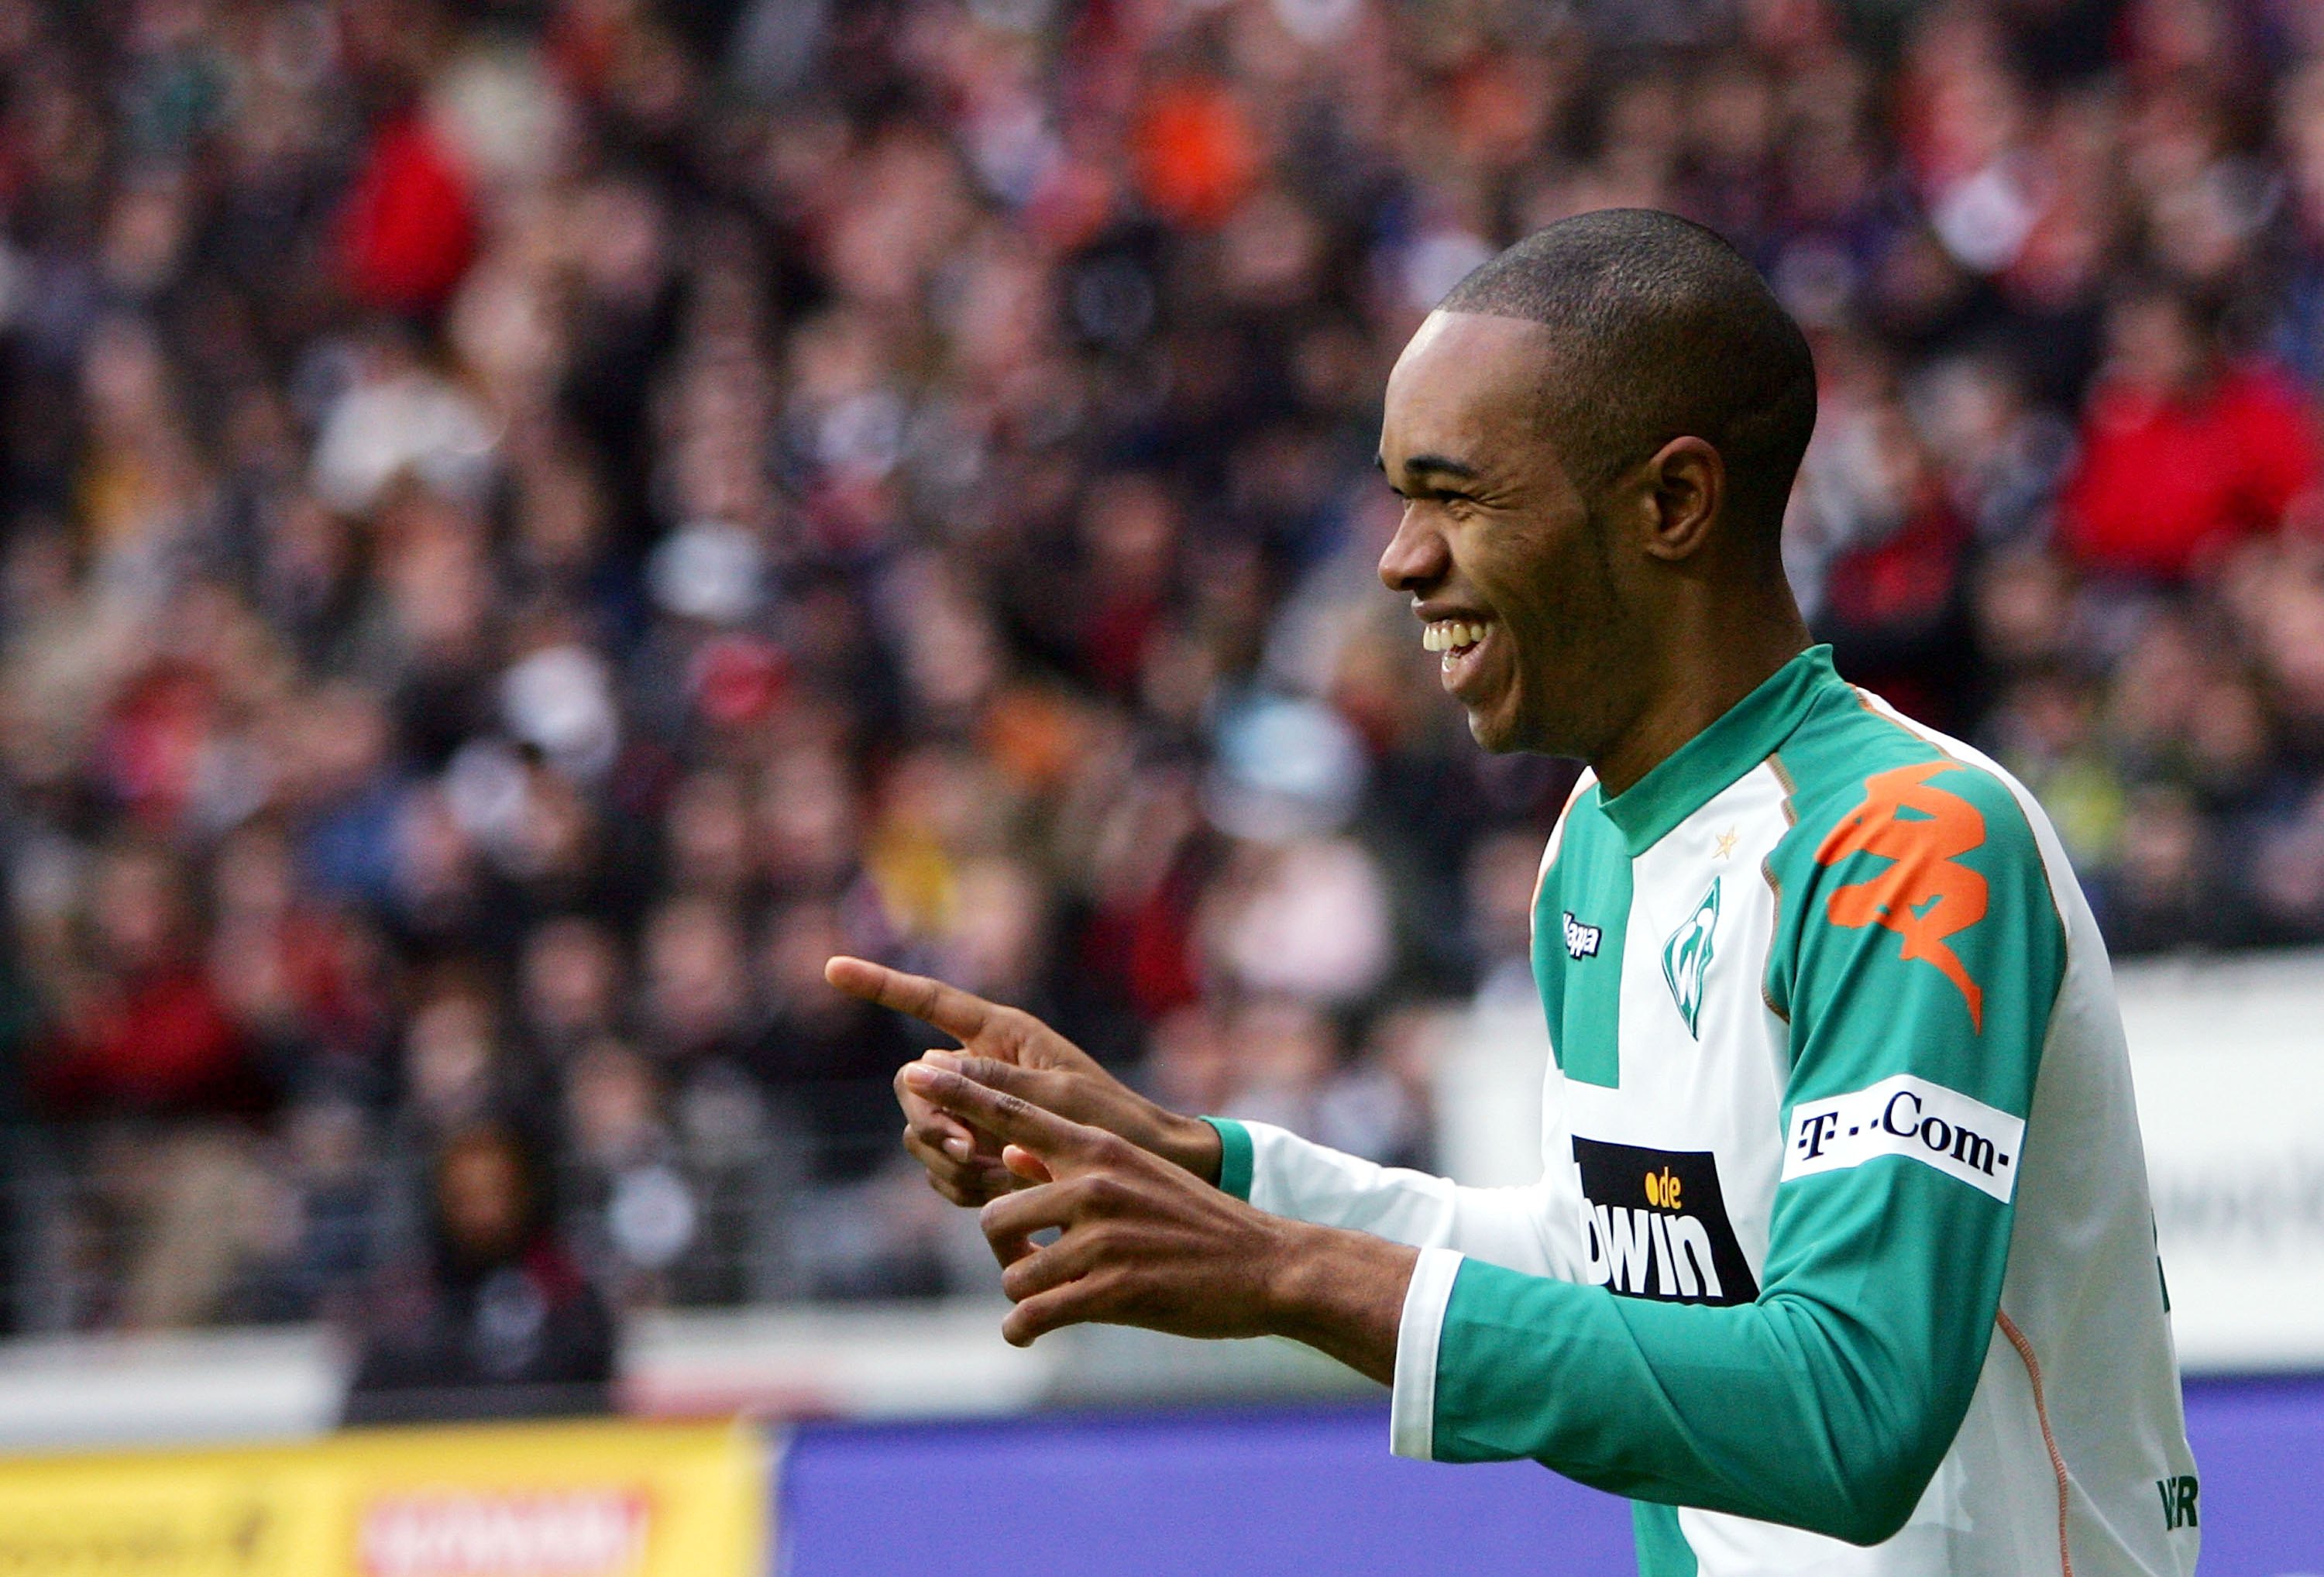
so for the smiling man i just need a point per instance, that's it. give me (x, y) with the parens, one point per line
(1841, 1259)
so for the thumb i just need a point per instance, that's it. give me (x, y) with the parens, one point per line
(1025, 1164)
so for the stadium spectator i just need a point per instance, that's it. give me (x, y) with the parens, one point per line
(2182, 457)
(139, 1030)
(494, 1319)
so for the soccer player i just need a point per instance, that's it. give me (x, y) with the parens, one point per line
(1841, 1260)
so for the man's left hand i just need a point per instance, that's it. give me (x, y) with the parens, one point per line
(1144, 1242)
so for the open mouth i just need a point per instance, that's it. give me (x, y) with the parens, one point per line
(1458, 641)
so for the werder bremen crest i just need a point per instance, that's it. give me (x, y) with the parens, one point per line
(1686, 958)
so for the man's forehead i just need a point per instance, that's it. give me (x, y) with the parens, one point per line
(1452, 334)
(1463, 367)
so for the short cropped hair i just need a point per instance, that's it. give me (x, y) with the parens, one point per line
(1665, 331)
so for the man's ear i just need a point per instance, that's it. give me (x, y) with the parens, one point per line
(1686, 488)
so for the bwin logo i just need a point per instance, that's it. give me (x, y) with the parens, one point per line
(1581, 941)
(1654, 1226)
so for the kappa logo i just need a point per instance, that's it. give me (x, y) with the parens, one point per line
(1923, 896)
(1656, 1225)
(1686, 958)
(1581, 941)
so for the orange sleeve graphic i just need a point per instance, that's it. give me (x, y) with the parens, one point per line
(1923, 896)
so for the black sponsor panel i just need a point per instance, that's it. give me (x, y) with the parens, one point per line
(1658, 1225)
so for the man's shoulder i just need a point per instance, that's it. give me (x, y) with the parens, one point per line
(1860, 776)
(1915, 887)
(1910, 849)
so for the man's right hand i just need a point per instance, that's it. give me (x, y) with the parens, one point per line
(1009, 1050)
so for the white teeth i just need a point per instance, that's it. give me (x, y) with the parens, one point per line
(1445, 634)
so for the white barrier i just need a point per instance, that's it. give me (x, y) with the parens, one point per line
(2229, 1057)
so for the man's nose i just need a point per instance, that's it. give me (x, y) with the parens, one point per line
(1415, 557)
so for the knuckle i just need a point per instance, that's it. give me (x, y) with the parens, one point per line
(1101, 1194)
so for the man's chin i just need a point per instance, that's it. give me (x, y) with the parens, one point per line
(1494, 732)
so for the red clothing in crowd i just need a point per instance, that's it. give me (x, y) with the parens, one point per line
(164, 1046)
(2163, 482)
(410, 225)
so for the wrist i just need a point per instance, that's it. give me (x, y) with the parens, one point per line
(1188, 1142)
(1292, 1276)
(1340, 1292)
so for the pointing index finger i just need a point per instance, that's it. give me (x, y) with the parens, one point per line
(956, 1012)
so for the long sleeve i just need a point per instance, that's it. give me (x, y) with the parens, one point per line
(1287, 1175)
(1917, 957)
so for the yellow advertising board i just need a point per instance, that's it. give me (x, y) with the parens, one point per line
(595, 1499)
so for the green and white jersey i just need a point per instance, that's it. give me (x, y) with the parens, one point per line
(1841, 1259)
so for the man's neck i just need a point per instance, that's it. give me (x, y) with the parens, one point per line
(1718, 668)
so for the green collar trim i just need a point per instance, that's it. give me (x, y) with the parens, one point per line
(1745, 735)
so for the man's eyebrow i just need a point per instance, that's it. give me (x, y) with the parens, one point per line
(1442, 465)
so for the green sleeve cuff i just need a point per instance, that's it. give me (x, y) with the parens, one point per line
(1234, 1156)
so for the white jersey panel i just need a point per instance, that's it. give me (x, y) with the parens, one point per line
(1516, 1228)
(1722, 1095)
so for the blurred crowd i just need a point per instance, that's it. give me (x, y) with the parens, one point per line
(530, 524)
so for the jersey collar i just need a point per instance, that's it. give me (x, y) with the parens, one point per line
(1743, 736)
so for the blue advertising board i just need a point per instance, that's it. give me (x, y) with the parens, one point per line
(1313, 1493)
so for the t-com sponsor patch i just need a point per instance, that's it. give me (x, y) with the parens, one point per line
(1905, 1116)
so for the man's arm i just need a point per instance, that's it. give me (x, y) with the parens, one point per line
(1521, 1227)
(1825, 1405)
(1013, 1052)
